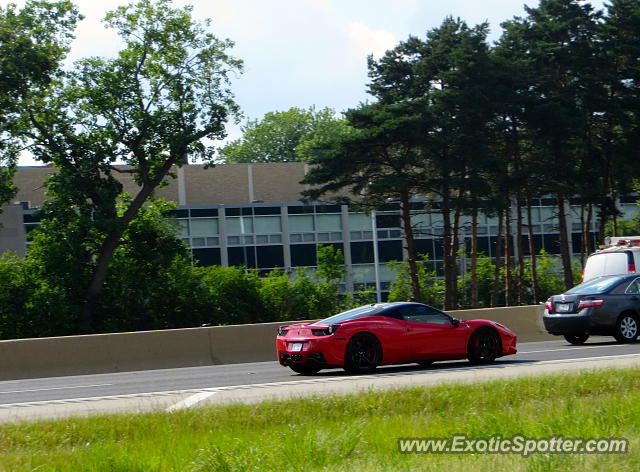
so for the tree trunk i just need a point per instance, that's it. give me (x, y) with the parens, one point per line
(602, 225)
(109, 246)
(520, 247)
(495, 294)
(405, 208)
(508, 282)
(474, 257)
(586, 215)
(449, 262)
(564, 244)
(532, 252)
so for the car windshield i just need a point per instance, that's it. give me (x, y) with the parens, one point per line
(598, 285)
(349, 314)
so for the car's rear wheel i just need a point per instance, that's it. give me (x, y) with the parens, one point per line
(305, 369)
(627, 328)
(363, 354)
(484, 346)
(576, 338)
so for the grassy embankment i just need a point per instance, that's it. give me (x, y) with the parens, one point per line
(350, 433)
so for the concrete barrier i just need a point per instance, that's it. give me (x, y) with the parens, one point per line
(525, 321)
(146, 350)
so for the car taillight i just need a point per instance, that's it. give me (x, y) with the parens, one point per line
(325, 331)
(548, 305)
(589, 303)
(282, 330)
(632, 268)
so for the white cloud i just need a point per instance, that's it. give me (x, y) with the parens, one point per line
(368, 41)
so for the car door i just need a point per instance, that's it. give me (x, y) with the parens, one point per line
(430, 333)
(624, 297)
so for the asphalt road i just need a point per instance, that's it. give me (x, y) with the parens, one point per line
(77, 388)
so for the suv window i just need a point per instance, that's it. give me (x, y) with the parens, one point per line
(420, 314)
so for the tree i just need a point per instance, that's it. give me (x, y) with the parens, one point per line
(373, 159)
(560, 39)
(150, 107)
(449, 76)
(431, 288)
(33, 42)
(276, 137)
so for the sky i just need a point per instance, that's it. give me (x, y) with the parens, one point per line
(302, 53)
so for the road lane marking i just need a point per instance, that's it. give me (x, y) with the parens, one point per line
(343, 378)
(573, 348)
(55, 388)
(192, 400)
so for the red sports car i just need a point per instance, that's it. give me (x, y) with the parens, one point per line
(363, 338)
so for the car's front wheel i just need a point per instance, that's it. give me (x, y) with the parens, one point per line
(305, 369)
(576, 339)
(484, 346)
(627, 328)
(363, 354)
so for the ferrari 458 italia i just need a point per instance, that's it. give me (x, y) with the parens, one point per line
(363, 338)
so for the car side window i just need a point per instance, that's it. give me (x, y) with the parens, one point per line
(634, 287)
(421, 314)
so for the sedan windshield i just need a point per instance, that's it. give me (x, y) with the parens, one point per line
(350, 314)
(594, 286)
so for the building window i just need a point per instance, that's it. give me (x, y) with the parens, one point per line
(267, 224)
(270, 256)
(362, 252)
(183, 228)
(390, 251)
(359, 221)
(206, 257)
(239, 225)
(301, 223)
(303, 255)
(388, 221)
(328, 223)
(204, 227)
(242, 256)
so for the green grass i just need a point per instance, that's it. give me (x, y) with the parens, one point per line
(346, 433)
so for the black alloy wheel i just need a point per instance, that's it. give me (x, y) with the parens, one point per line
(576, 339)
(484, 346)
(363, 354)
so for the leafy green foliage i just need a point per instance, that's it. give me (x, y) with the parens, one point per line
(33, 42)
(486, 277)
(157, 103)
(431, 288)
(151, 283)
(278, 135)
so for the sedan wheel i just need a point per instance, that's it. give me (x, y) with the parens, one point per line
(484, 346)
(627, 328)
(576, 338)
(363, 354)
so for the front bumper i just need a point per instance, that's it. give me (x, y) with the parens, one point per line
(509, 345)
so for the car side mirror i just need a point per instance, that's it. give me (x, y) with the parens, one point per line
(456, 322)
